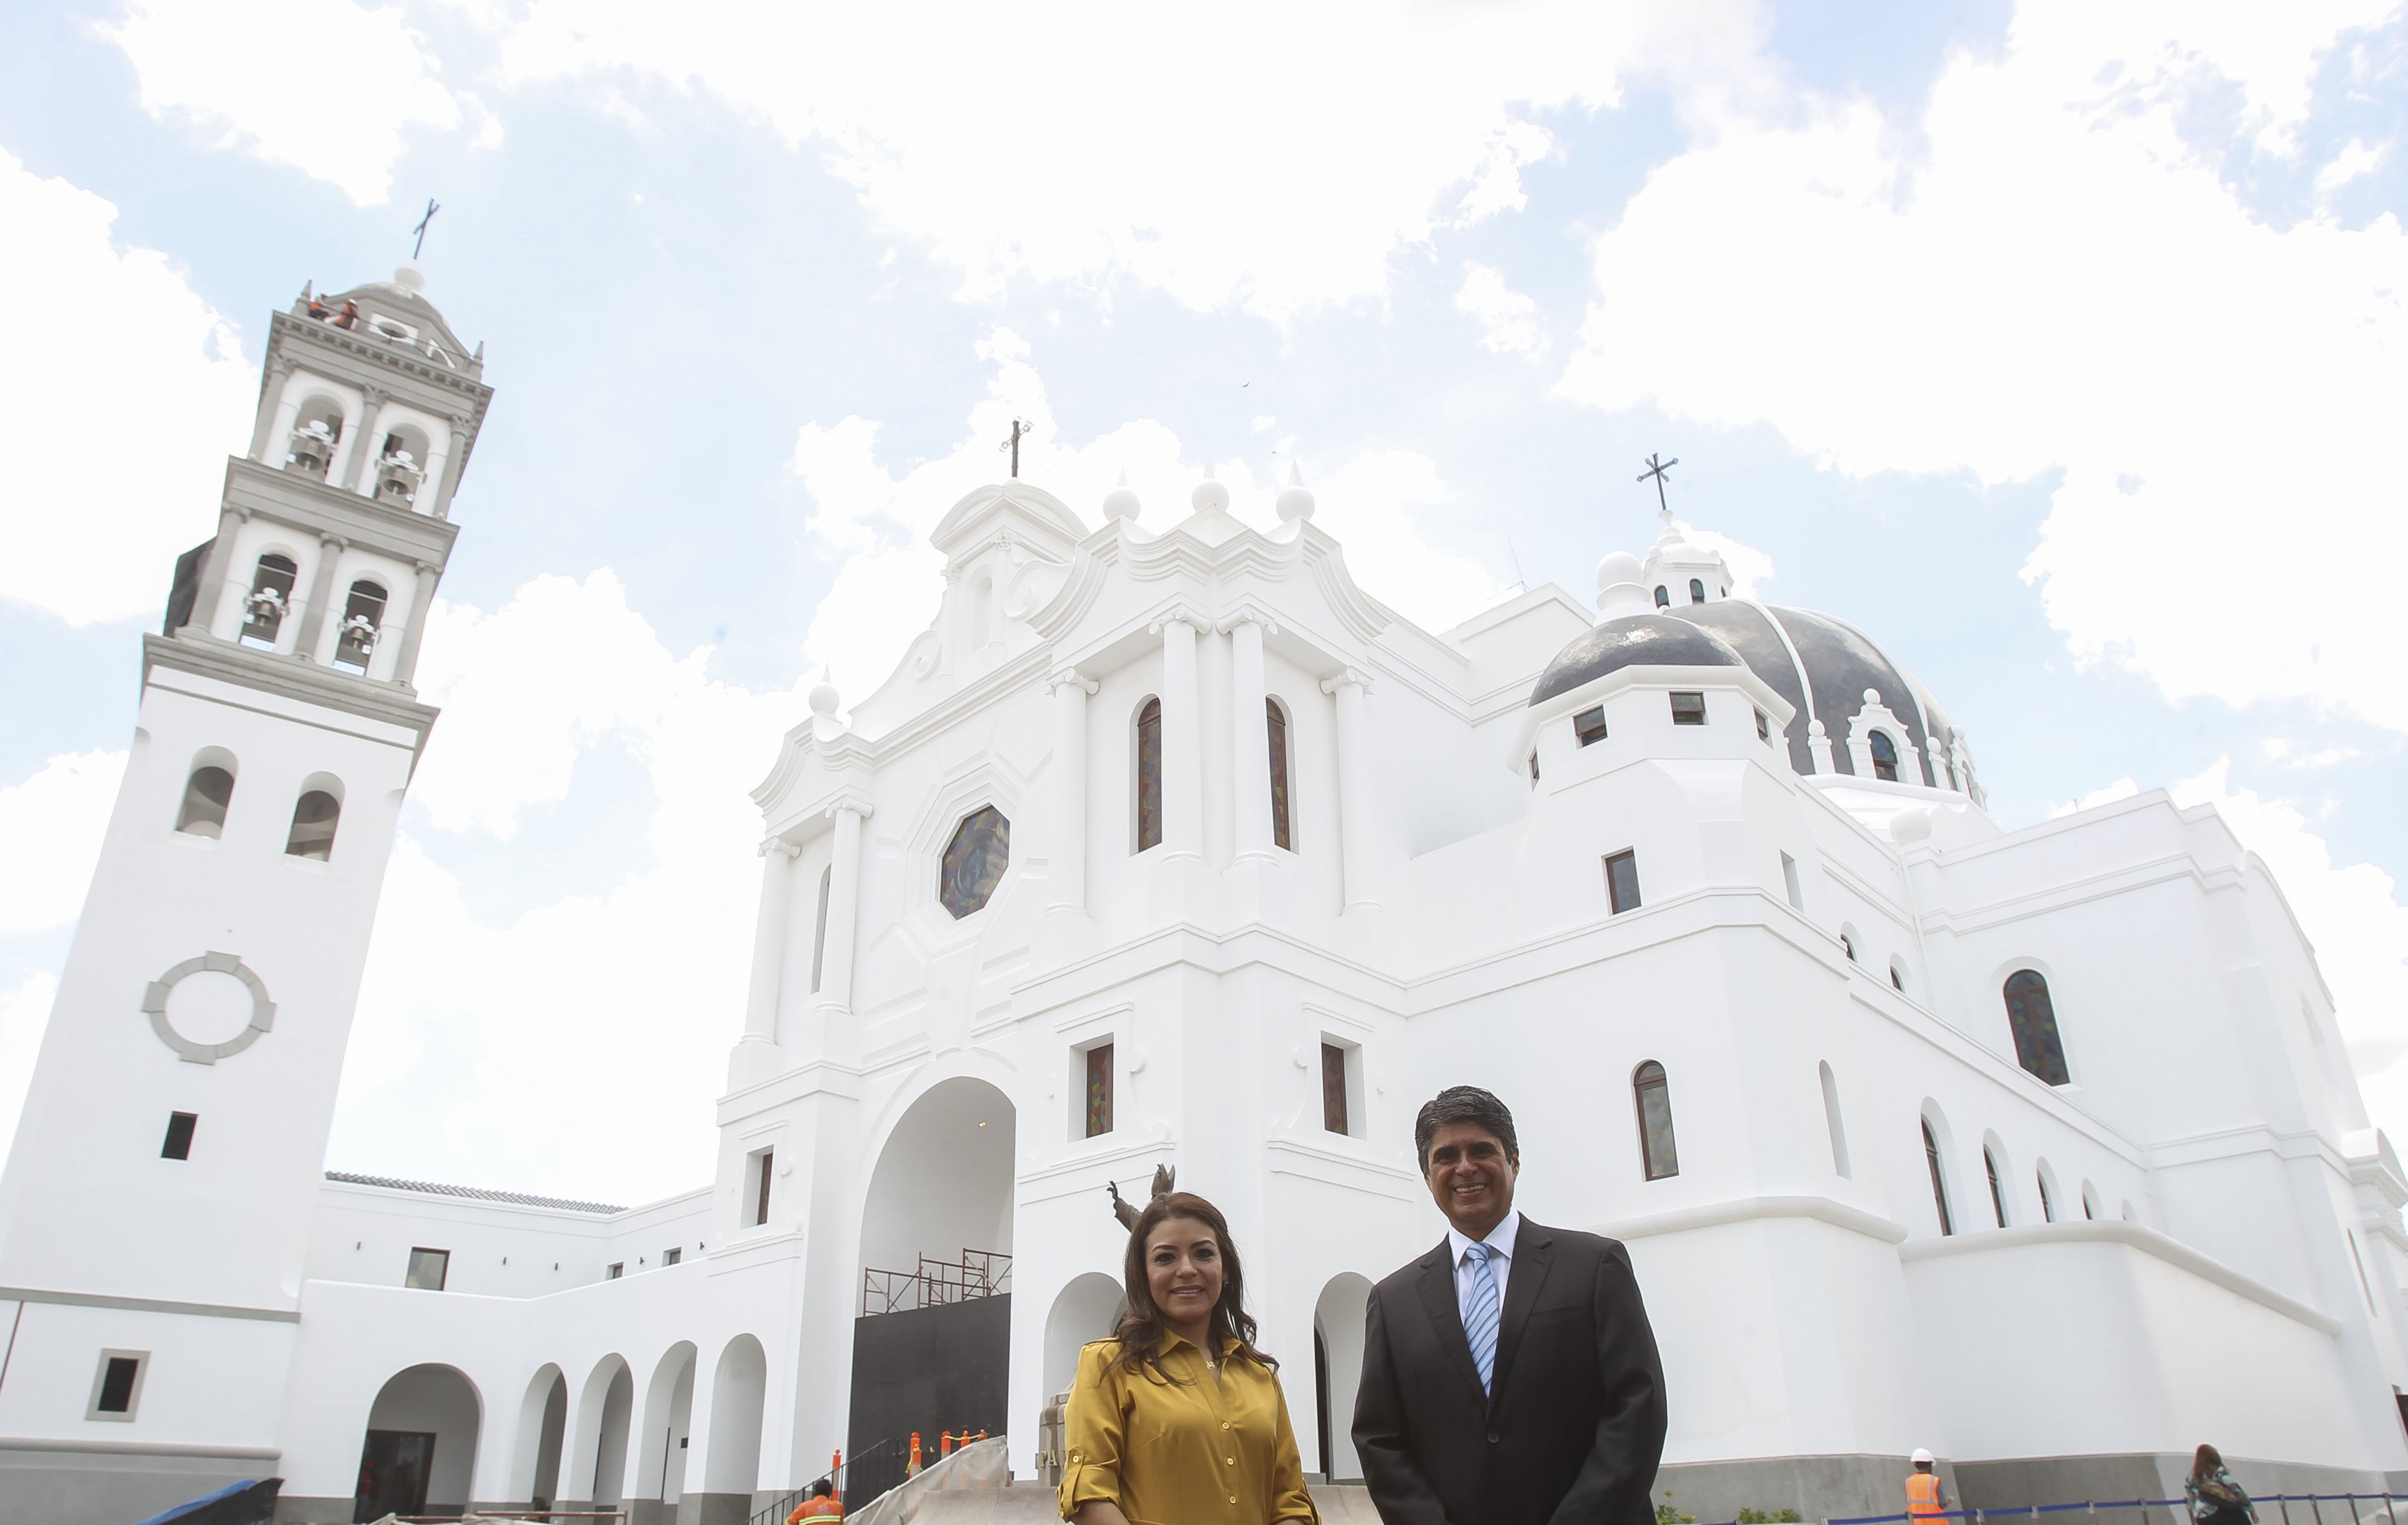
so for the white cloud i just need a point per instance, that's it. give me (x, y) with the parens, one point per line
(1509, 319)
(2354, 918)
(1271, 155)
(326, 86)
(576, 1048)
(107, 495)
(2060, 284)
(886, 591)
(2291, 755)
(2353, 161)
(50, 830)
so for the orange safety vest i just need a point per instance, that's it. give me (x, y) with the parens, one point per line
(1923, 1494)
(818, 1507)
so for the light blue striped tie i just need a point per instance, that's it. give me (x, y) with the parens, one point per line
(1479, 1322)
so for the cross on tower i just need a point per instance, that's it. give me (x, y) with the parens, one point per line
(421, 230)
(1019, 427)
(1657, 468)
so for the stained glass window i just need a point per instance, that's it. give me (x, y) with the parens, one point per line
(1655, 1097)
(1149, 775)
(1276, 720)
(1885, 757)
(2032, 1017)
(975, 861)
(1939, 1188)
(1099, 1089)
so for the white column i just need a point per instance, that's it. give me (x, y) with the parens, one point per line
(349, 449)
(322, 591)
(769, 940)
(364, 478)
(278, 441)
(1354, 787)
(1067, 856)
(1249, 739)
(405, 662)
(1183, 749)
(216, 573)
(844, 905)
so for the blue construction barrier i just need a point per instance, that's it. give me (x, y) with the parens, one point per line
(236, 1504)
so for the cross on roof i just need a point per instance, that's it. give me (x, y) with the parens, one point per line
(421, 230)
(1657, 468)
(1018, 429)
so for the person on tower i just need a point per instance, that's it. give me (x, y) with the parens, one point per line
(1926, 1500)
(821, 1508)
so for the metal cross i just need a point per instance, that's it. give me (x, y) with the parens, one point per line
(1019, 427)
(421, 230)
(1657, 468)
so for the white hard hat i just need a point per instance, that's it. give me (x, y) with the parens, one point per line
(1922, 1457)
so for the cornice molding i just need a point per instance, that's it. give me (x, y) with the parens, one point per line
(204, 655)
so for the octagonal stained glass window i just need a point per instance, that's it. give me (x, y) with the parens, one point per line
(975, 861)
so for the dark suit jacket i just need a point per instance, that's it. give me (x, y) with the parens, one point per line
(1574, 1425)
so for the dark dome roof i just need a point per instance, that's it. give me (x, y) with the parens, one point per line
(1651, 640)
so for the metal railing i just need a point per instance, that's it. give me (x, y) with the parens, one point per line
(935, 1283)
(2313, 1514)
(860, 1480)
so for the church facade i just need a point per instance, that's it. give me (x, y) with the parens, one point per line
(1168, 844)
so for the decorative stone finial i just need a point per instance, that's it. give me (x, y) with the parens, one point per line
(1121, 502)
(1619, 590)
(1210, 496)
(1294, 501)
(823, 697)
(409, 276)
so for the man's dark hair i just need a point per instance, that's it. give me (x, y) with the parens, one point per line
(1463, 1104)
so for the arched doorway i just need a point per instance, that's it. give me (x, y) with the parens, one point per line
(662, 1439)
(597, 1464)
(421, 1447)
(1089, 1308)
(932, 1335)
(1338, 1362)
(544, 1423)
(732, 1465)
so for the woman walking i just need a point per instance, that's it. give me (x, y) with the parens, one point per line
(2215, 1499)
(1177, 1417)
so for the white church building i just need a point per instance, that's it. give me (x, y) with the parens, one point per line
(1168, 844)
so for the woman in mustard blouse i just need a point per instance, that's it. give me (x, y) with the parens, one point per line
(1178, 1418)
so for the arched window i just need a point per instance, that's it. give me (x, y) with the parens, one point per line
(207, 794)
(1884, 756)
(1655, 1101)
(2032, 1018)
(819, 928)
(1938, 1186)
(1998, 1193)
(363, 617)
(314, 818)
(1275, 722)
(270, 601)
(1898, 975)
(981, 609)
(1697, 591)
(2047, 1197)
(2089, 1201)
(1848, 942)
(1149, 775)
(1831, 1121)
(1663, 596)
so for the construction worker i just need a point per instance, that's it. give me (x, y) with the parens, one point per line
(820, 1508)
(1925, 1497)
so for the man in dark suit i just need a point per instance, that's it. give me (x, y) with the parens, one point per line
(1508, 1375)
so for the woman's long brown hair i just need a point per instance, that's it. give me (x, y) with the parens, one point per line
(2207, 1464)
(1142, 1330)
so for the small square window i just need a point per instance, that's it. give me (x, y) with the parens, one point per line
(1333, 1089)
(116, 1385)
(1098, 1097)
(1621, 881)
(762, 1168)
(1763, 726)
(1688, 709)
(674, 1254)
(179, 1144)
(615, 1270)
(1589, 726)
(427, 1269)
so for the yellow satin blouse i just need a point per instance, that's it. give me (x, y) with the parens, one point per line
(1194, 1452)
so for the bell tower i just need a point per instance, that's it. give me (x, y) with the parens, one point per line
(154, 1213)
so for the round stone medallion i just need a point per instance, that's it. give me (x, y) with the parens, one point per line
(208, 1008)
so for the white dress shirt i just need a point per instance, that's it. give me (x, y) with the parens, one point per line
(1500, 1262)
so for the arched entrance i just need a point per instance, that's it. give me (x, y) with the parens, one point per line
(932, 1335)
(421, 1447)
(597, 1464)
(732, 1465)
(543, 1424)
(662, 1439)
(1089, 1308)
(1337, 1371)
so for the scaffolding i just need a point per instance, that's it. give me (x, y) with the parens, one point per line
(935, 1283)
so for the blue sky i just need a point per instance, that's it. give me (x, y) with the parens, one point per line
(2062, 351)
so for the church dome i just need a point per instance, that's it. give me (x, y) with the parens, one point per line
(1822, 666)
(1652, 640)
